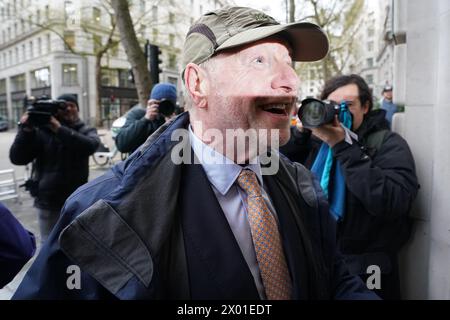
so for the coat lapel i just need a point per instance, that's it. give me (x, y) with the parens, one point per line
(217, 268)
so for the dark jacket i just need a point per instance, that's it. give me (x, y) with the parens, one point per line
(17, 246)
(136, 130)
(61, 160)
(381, 186)
(134, 233)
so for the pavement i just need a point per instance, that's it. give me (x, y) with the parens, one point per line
(22, 207)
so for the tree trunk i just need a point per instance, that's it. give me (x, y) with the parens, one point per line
(133, 50)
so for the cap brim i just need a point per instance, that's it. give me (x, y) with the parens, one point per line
(309, 42)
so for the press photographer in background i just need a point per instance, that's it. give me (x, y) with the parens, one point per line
(142, 122)
(366, 171)
(53, 138)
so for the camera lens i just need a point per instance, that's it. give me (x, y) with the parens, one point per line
(312, 113)
(166, 108)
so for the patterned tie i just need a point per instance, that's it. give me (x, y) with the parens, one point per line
(266, 240)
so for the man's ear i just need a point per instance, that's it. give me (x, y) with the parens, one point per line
(196, 81)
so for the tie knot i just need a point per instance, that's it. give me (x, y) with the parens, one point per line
(249, 183)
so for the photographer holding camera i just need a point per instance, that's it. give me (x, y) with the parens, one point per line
(52, 136)
(366, 171)
(141, 123)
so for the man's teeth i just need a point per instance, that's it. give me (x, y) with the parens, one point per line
(276, 108)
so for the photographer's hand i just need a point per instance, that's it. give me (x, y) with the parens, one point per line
(152, 109)
(331, 134)
(24, 124)
(54, 124)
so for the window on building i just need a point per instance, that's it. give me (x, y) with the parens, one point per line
(49, 43)
(16, 32)
(369, 79)
(39, 45)
(69, 40)
(24, 52)
(4, 59)
(155, 34)
(110, 77)
(10, 60)
(172, 61)
(18, 83)
(155, 14)
(370, 32)
(40, 78)
(30, 21)
(70, 74)
(370, 46)
(47, 12)
(370, 62)
(22, 24)
(31, 49)
(96, 14)
(38, 16)
(9, 33)
(97, 39)
(69, 11)
(3, 86)
(171, 18)
(171, 40)
(3, 109)
(17, 55)
(142, 6)
(124, 79)
(1, 62)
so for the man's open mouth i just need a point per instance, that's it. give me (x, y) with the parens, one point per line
(280, 109)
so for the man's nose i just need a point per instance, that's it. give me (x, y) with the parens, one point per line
(285, 79)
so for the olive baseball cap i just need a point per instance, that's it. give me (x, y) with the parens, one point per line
(231, 27)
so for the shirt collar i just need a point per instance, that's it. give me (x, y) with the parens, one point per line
(221, 171)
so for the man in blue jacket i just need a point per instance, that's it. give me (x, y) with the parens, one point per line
(17, 246)
(141, 123)
(182, 218)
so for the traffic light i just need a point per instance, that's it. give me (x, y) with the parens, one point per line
(155, 60)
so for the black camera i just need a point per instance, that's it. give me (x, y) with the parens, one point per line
(166, 107)
(40, 111)
(313, 112)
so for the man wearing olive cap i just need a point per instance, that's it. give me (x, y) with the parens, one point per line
(215, 225)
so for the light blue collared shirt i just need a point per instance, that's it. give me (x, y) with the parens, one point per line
(222, 173)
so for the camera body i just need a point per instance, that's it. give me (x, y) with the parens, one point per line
(166, 107)
(314, 113)
(40, 111)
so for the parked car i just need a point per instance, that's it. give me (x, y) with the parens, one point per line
(3, 124)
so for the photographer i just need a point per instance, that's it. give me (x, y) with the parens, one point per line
(141, 123)
(59, 144)
(369, 178)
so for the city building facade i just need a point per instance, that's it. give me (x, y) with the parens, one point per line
(49, 48)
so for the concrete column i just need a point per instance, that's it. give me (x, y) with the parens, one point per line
(439, 275)
(425, 260)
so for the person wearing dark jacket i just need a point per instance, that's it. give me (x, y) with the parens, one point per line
(60, 153)
(372, 182)
(17, 246)
(141, 123)
(155, 227)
